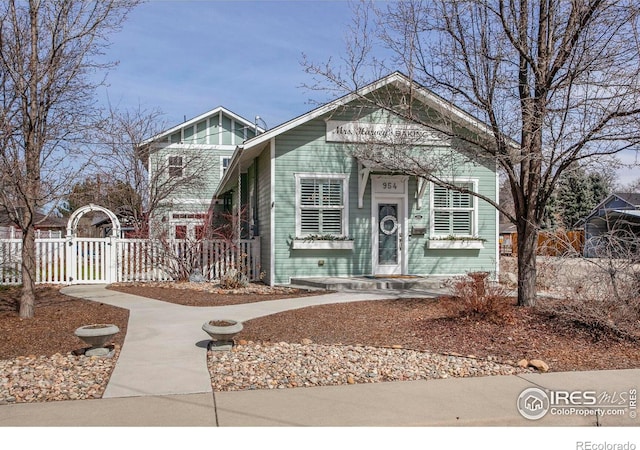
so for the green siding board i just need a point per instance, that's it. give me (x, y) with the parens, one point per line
(264, 212)
(208, 160)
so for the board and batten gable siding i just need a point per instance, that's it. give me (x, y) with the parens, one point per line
(216, 129)
(304, 150)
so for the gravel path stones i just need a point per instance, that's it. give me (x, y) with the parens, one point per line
(49, 378)
(284, 365)
(248, 366)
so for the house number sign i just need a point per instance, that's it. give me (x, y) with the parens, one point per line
(388, 186)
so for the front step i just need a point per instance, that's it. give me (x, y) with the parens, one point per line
(369, 283)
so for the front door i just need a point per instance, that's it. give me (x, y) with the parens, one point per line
(388, 231)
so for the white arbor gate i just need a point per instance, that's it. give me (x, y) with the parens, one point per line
(92, 260)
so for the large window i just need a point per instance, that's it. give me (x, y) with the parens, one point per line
(453, 213)
(321, 205)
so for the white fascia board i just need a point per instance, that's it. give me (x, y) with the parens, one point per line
(397, 78)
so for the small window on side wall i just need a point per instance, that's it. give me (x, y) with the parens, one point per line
(180, 232)
(175, 166)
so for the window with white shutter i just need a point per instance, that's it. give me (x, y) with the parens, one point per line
(321, 205)
(453, 212)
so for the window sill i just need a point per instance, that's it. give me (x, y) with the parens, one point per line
(452, 244)
(322, 245)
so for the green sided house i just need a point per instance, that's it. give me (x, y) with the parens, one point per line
(185, 164)
(318, 194)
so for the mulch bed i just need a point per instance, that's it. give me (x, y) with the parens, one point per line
(203, 294)
(421, 324)
(56, 318)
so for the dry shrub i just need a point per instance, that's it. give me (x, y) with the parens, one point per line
(603, 298)
(601, 317)
(477, 296)
(233, 279)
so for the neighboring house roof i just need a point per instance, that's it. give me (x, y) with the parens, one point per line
(41, 221)
(246, 152)
(628, 203)
(199, 118)
(633, 198)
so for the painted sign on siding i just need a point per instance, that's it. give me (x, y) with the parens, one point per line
(383, 133)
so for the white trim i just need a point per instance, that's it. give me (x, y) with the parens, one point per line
(429, 98)
(298, 244)
(452, 244)
(345, 197)
(474, 225)
(168, 156)
(421, 186)
(272, 218)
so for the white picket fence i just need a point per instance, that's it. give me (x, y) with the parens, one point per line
(109, 260)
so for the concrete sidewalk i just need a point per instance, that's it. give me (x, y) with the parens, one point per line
(161, 379)
(482, 401)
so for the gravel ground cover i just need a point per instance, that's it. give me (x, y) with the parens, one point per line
(289, 365)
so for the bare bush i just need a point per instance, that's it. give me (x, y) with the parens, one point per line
(603, 294)
(477, 296)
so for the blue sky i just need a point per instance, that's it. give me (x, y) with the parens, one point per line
(188, 57)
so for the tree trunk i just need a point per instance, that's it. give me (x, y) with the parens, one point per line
(527, 246)
(28, 298)
(32, 153)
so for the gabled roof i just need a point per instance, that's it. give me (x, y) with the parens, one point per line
(199, 118)
(252, 147)
(630, 198)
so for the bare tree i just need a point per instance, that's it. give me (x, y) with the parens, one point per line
(556, 83)
(128, 153)
(49, 52)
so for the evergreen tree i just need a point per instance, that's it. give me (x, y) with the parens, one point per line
(577, 194)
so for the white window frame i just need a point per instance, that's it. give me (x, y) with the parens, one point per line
(474, 209)
(345, 199)
(190, 222)
(170, 166)
(222, 168)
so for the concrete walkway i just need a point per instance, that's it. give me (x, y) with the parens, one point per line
(161, 379)
(165, 349)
